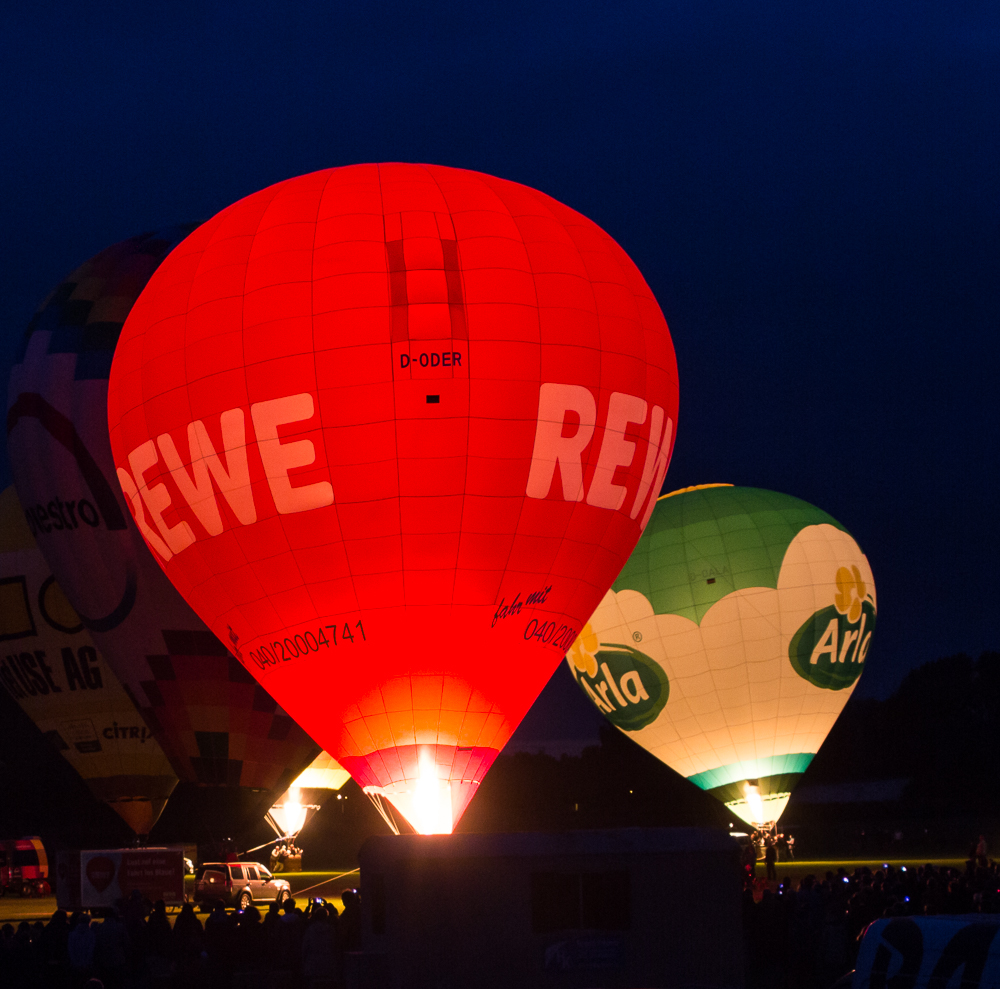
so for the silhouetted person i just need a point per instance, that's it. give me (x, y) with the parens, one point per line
(19, 955)
(80, 946)
(770, 857)
(292, 928)
(218, 945)
(111, 951)
(160, 934)
(55, 950)
(350, 921)
(160, 939)
(187, 929)
(270, 931)
(319, 951)
(249, 941)
(188, 941)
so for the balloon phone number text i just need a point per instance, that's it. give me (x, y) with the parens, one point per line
(546, 632)
(282, 650)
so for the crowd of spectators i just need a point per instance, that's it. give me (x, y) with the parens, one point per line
(135, 947)
(797, 936)
(806, 935)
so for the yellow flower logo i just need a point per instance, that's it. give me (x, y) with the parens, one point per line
(584, 651)
(851, 593)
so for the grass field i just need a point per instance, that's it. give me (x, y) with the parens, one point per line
(798, 869)
(328, 885)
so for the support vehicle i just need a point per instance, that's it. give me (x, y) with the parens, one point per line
(238, 884)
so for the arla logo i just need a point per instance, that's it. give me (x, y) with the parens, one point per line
(625, 684)
(830, 648)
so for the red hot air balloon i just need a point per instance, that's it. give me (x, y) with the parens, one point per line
(392, 431)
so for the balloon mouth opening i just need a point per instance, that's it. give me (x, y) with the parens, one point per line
(139, 813)
(761, 810)
(428, 785)
(424, 801)
(289, 817)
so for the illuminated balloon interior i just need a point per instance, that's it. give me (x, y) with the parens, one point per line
(307, 794)
(288, 817)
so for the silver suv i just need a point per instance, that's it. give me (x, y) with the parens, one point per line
(238, 884)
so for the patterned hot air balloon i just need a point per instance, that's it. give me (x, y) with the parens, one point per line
(217, 726)
(731, 640)
(50, 666)
(392, 430)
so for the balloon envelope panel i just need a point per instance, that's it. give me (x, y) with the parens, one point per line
(731, 640)
(216, 725)
(50, 666)
(446, 403)
(323, 773)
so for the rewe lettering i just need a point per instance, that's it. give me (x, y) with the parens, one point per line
(201, 469)
(206, 470)
(554, 449)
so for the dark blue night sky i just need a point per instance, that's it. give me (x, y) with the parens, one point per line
(812, 191)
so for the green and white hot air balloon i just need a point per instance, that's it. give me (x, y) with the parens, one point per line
(731, 640)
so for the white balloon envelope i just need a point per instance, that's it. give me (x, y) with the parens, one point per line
(731, 640)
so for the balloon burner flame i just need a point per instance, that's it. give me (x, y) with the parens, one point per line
(291, 815)
(425, 802)
(755, 805)
(756, 808)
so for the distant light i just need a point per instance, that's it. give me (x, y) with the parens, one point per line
(902, 868)
(906, 899)
(846, 880)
